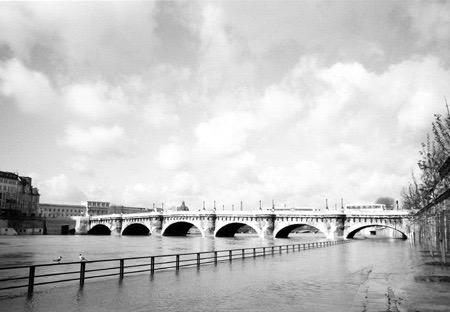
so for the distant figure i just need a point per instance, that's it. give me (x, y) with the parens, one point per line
(82, 258)
(58, 260)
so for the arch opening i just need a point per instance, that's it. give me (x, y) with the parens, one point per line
(296, 228)
(178, 229)
(231, 229)
(99, 229)
(377, 231)
(136, 229)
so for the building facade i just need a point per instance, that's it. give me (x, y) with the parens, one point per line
(18, 198)
(98, 208)
(60, 210)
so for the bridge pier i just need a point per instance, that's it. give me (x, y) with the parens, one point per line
(116, 226)
(82, 225)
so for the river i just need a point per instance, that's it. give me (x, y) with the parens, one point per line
(374, 274)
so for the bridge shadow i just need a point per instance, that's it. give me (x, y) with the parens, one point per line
(99, 229)
(296, 228)
(178, 229)
(355, 232)
(136, 229)
(231, 229)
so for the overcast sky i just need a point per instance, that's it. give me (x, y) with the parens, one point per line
(158, 102)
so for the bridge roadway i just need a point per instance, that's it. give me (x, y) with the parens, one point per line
(266, 223)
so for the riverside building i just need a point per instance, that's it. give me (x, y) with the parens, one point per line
(18, 198)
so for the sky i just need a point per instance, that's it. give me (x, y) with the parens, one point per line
(295, 102)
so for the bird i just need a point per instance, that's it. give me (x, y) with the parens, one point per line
(58, 260)
(82, 258)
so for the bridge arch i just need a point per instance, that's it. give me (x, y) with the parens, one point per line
(180, 228)
(99, 229)
(352, 232)
(136, 229)
(230, 229)
(284, 232)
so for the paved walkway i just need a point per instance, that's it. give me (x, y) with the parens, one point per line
(375, 295)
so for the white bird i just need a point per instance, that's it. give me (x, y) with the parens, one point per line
(59, 259)
(82, 258)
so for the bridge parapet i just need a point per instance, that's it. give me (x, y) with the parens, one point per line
(244, 212)
(387, 213)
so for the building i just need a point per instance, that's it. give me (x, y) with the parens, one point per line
(183, 207)
(18, 198)
(58, 217)
(60, 211)
(97, 208)
(126, 209)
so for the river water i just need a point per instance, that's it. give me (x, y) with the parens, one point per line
(374, 274)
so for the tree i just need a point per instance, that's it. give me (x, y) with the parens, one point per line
(387, 201)
(434, 165)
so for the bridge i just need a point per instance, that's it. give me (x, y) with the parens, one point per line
(266, 223)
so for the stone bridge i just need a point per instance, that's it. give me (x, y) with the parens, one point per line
(266, 223)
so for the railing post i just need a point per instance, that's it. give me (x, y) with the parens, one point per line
(82, 273)
(230, 255)
(254, 252)
(152, 265)
(264, 251)
(273, 250)
(31, 279)
(243, 253)
(198, 260)
(177, 262)
(280, 249)
(122, 265)
(215, 257)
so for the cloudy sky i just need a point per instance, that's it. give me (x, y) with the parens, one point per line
(151, 102)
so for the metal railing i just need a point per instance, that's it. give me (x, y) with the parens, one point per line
(44, 274)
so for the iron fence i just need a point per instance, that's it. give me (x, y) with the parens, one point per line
(44, 274)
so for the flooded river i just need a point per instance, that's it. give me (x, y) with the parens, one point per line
(375, 274)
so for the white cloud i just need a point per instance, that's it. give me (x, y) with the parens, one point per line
(96, 101)
(280, 104)
(173, 156)
(60, 190)
(184, 183)
(31, 90)
(82, 165)
(223, 57)
(96, 141)
(139, 195)
(225, 134)
(158, 112)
